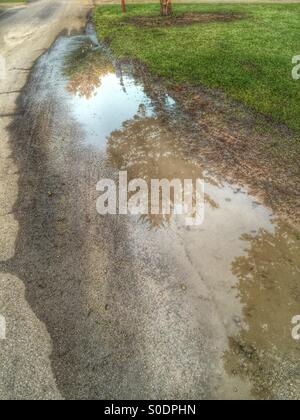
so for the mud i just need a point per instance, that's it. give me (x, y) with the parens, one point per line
(185, 19)
(246, 147)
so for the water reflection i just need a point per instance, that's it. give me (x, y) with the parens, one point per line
(118, 115)
(148, 149)
(84, 68)
(113, 104)
(102, 98)
(251, 294)
(269, 290)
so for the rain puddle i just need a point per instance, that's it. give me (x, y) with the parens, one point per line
(242, 264)
(103, 96)
(114, 101)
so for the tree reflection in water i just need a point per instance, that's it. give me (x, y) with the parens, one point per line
(269, 289)
(148, 149)
(84, 68)
(268, 274)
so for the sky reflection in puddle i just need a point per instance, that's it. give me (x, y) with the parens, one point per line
(116, 100)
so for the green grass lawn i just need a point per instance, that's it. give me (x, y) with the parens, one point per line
(250, 59)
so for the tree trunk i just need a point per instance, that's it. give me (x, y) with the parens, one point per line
(165, 7)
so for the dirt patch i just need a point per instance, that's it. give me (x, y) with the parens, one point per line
(185, 19)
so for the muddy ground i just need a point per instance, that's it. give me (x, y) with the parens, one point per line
(184, 19)
(126, 306)
(240, 145)
(247, 148)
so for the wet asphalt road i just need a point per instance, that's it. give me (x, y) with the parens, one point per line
(118, 307)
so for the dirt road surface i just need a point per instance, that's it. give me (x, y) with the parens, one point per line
(122, 306)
